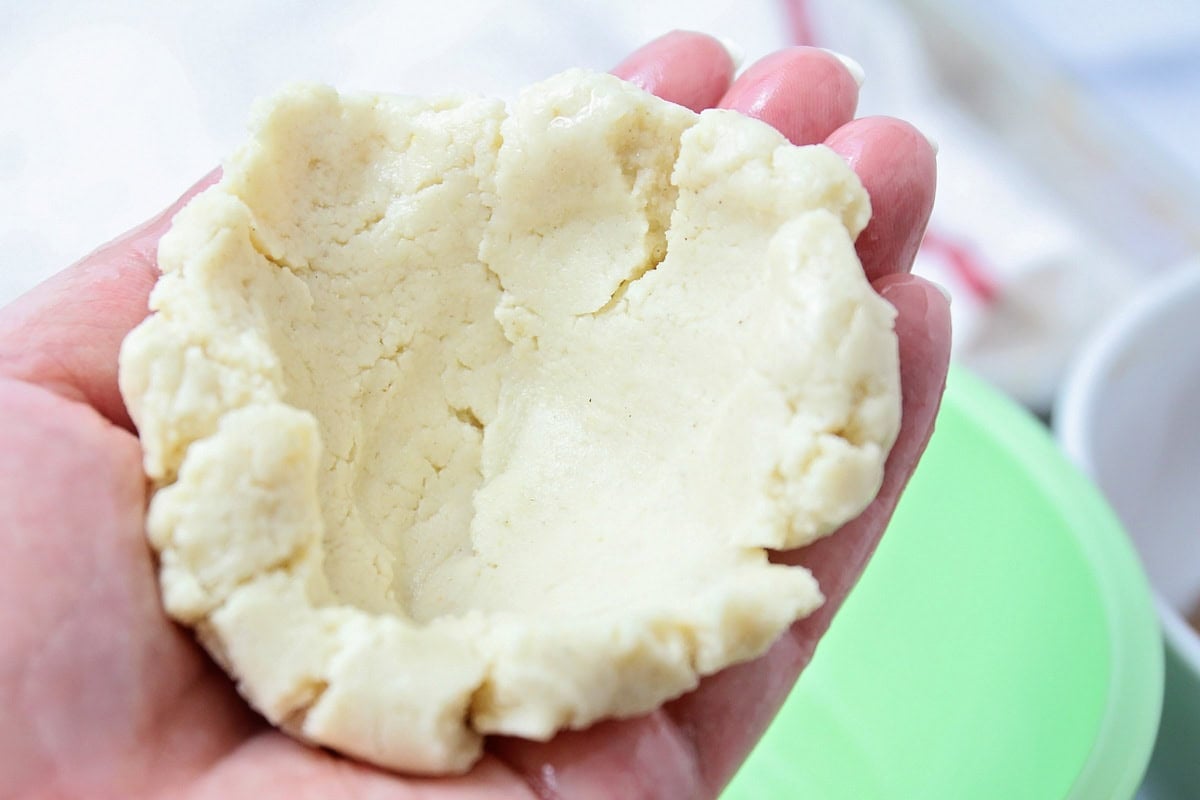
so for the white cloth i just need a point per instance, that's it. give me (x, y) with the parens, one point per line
(111, 110)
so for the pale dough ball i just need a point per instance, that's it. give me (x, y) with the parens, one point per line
(467, 420)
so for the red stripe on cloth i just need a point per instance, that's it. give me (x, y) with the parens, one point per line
(964, 264)
(800, 22)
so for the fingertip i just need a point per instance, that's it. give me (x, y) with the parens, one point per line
(737, 53)
(898, 168)
(862, 137)
(688, 68)
(923, 326)
(916, 298)
(852, 66)
(804, 92)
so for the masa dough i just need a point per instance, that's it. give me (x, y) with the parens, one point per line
(465, 420)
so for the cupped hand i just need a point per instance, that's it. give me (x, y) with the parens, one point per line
(104, 697)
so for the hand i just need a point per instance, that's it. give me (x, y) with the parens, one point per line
(104, 697)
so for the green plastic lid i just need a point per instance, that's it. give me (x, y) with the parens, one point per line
(1001, 644)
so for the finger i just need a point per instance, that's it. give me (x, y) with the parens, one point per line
(692, 746)
(804, 92)
(731, 710)
(897, 165)
(65, 334)
(686, 68)
(923, 331)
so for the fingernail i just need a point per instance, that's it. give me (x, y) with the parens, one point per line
(945, 292)
(853, 67)
(932, 142)
(737, 54)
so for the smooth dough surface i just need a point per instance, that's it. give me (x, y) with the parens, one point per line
(465, 419)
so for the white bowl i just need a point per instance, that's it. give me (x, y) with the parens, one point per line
(1129, 415)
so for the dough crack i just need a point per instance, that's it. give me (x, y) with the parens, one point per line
(467, 417)
(652, 183)
(310, 693)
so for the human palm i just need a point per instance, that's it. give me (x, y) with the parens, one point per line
(104, 697)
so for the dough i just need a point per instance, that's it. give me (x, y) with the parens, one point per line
(464, 420)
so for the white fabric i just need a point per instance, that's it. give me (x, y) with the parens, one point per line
(110, 111)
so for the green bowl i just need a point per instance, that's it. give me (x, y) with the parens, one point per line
(1001, 644)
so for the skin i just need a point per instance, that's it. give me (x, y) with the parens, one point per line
(104, 697)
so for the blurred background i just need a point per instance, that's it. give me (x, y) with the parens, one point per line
(1069, 171)
(1067, 128)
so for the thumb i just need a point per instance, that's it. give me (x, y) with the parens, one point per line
(64, 334)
